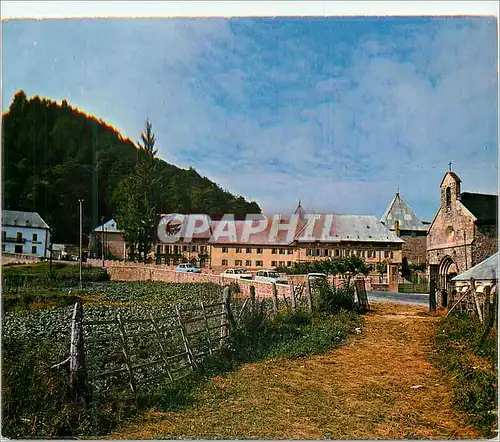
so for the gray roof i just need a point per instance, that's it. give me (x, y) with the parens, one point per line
(23, 219)
(109, 227)
(353, 228)
(398, 210)
(486, 270)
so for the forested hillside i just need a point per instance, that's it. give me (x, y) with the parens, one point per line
(54, 155)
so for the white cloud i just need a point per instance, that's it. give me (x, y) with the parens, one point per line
(276, 122)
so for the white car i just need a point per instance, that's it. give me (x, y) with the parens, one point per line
(270, 276)
(237, 274)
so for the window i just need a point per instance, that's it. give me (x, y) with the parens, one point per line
(258, 264)
(318, 251)
(194, 248)
(282, 251)
(4, 236)
(249, 250)
(448, 197)
(238, 249)
(309, 252)
(19, 237)
(35, 236)
(203, 249)
(18, 249)
(337, 252)
(3, 247)
(224, 249)
(259, 250)
(33, 249)
(325, 252)
(274, 263)
(248, 263)
(224, 262)
(184, 248)
(238, 262)
(450, 234)
(289, 251)
(158, 250)
(274, 251)
(387, 254)
(370, 254)
(289, 263)
(167, 249)
(176, 250)
(282, 263)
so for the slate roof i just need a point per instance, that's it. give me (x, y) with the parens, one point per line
(486, 270)
(345, 228)
(351, 228)
(483, 207)
(23, 219)
(399, 210)
(109, 227)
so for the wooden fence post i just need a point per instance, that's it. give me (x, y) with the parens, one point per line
(275, 297)
(126, 353)
(185, 339)
(160, 344)
(226, 320)
(476, 300)
(292, 296)
(207, 329)
(229, 312)
(309, 294)
(432, 296)
(252, 297)
(77, 371)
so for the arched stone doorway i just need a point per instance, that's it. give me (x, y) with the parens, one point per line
(447, 271)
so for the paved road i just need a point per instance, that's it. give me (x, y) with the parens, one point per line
(405, 298)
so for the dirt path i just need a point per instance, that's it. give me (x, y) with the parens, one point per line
(360, 391)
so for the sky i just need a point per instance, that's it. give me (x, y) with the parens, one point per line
(336, 112)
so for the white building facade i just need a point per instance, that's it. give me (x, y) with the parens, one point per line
(24, 233)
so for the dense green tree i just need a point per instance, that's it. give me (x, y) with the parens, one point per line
(136, 199)
(52, 154)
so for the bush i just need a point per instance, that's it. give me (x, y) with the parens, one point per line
(329, 301)
(35, 404)
(469, 354)
(288, 334)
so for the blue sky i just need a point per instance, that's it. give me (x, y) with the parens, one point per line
(327, 110)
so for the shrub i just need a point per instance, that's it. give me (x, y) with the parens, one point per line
(327, 300)
(469, 354)
(288, 334)
(34, 398)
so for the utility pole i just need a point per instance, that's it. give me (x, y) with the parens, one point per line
(102, 238)
(81, 233)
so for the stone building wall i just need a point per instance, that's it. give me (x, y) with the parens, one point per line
(414, 249)
(485, 243)
(452, 231)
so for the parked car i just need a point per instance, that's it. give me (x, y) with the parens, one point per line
(316, 276)
(237, 274)
(270, 276)
(187, 268)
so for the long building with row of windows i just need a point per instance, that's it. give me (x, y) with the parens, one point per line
(347, 235)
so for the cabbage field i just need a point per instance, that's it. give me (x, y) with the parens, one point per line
(36, 339)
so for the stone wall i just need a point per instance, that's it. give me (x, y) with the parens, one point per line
(485, 243)
(415, 249)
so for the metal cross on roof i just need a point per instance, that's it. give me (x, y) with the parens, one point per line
(449, 164)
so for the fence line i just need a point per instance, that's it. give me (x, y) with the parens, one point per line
(121, 356)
